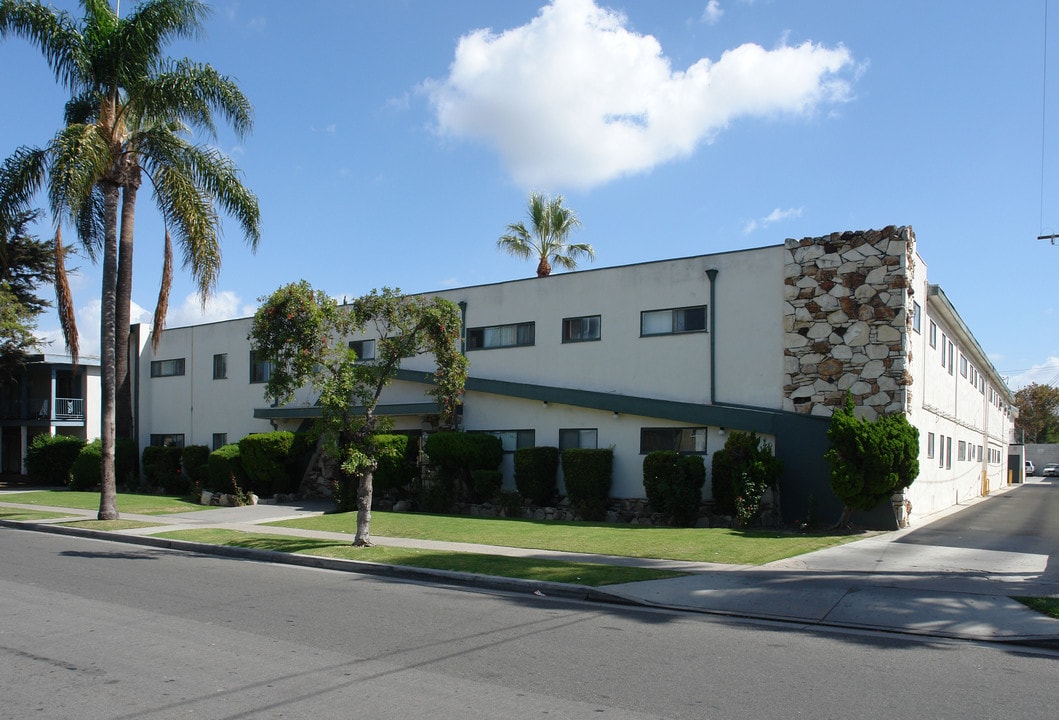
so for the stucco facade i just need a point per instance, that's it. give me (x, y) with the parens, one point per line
(676, 351)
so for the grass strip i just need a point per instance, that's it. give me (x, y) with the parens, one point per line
(720, 545)
(591, 574)
(108, 525)
(127, 502)
(19, 514)
(1045, 605)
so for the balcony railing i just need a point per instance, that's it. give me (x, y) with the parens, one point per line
(58, 409)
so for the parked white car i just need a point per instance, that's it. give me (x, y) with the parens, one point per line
(1029, 468)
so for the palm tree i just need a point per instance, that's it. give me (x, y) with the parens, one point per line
(552, 224)
(130, 113)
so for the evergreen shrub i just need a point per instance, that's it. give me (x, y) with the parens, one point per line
(87, 471)
(265, 458)
(195, 461)
(161, 469)
(535, 473)
(587, 473)
(224, 470)
(673, 484)
(50, 458)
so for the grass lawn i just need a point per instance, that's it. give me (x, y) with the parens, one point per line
(591, 574)
(127, 502)
(1047, 605)
(19, 514)
(720, 545)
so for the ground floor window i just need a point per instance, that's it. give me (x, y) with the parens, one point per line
(512, 440)
(578, 438)
(167, 440)
(220, 440)
(680, 439)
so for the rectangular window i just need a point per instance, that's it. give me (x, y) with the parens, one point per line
(683, 440)
(933, 334)
(578, 438)
(963, 365)
(941, 451)
(961, 451)
(500, 336)
(219, 440)
(260, 370)
(952, 358)
(930, 445)
(220, 366)
(917, 317)
(948, 453)
(677, 320)
(167, 368)
(580, 329)
(512, 440)
(365, 349)
(170, 440)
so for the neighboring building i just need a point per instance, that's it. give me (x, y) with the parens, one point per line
(671, 354)
(49, 395)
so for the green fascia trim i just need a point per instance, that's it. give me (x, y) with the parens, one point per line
(314, 411)
(734, 418)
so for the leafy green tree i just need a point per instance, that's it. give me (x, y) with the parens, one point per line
(547, 238)
(870, 461)
(1038, 420)
(129, 116)
(25, 266)
(300, 332)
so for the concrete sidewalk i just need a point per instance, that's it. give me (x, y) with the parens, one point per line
(875, 583)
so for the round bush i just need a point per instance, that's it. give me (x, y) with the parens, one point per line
(50, 458)
(587, 473)
(535, 473)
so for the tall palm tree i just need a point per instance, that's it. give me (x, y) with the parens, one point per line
(548, 240)
(129, 117)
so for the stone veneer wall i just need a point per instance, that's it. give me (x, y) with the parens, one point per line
(847, 310)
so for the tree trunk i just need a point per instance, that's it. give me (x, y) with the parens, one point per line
(364, 492)
(544, 268)
(122, 314)
(108, 509)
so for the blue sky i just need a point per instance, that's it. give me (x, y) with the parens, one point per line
(394, 141)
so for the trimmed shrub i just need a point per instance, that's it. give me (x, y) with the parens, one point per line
(265, 457)
(50, 458)
(396, 457)
(224, 470)
(535, 473)
(673, 483)
(587, 473)
(487, 484)
(161, 469)
(87, 471)
(457, 454)
(195, 461)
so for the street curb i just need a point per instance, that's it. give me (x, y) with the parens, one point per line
(405, 572)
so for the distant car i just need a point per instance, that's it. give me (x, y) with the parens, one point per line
(1050, 470)
(1029, 468)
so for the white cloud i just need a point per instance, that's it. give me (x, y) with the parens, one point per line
(223, 305)
(713, 12)
(1047, 373)
(773, 217)
(574, 98)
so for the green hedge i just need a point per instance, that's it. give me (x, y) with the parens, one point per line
(742, 471)
(265, 458)
(87, 470)
(224, 470)
(195, 461)
(161, 469)
(50, 458)
(587, 473)
(535, 473)
(673, 483)
(397, 457)
(456, 455)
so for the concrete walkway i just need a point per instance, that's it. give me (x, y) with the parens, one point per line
(878, 583)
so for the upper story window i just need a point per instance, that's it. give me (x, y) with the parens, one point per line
(944, 357)
(933, 334)
(365, 349)
(952, 358)
(167, 368)
(500, 336)
(917, 317)
(676, 320)
(580, 329)
(578, 438)
(963, 365)
(682, 439)
(260, 369)
(220, 366)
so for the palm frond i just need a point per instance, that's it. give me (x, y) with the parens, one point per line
(64, 301)
(21, 176)
(166, 284)
(80, 158)
(54, 32)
